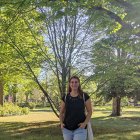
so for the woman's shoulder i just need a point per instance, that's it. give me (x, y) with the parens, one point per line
(64, 97)
(86, 95)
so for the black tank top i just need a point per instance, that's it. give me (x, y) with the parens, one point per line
(75, 111)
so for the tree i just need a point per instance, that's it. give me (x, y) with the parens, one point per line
(24, 32)
(11, 65)
(115, 70)
(26, 43)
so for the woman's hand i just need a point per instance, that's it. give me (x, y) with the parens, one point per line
(82, 125)
(62, 125)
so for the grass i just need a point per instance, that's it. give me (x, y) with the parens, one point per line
(44, 125)
(38, 125)
(125, 127)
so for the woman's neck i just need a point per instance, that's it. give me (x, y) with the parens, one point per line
(74, 93)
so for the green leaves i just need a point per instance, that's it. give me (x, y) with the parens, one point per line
(115, 67)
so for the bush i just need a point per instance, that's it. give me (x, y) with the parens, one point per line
(9, 109)
(30, 105)
(25, 110)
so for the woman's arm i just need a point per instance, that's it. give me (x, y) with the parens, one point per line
(89, 110)
(62, 112)
(89, 113)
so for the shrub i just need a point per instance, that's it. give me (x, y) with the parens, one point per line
(9, 109)
(25, 110)
(31, 105)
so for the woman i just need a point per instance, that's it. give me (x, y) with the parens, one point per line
(72, 112)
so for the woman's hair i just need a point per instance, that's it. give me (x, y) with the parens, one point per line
(80, 91)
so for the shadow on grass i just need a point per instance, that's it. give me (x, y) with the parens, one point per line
(131, 118)
(106, 128)
(118, 136)
(16, 131)
(115, 128)
(131, 112)
(107, 125)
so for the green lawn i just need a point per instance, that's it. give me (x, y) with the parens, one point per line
(126, 127)
(43, 125)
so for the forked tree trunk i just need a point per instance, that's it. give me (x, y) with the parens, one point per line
(1, 93)
(116, 107)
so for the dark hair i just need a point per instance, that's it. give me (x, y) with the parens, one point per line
(80, 91)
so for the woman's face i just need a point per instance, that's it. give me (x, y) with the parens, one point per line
(74, 84)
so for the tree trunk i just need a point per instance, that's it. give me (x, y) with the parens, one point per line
(64, 78)
(14, 98)
(116, 108)
(43, 101)
(1, 93)
(27, 97)
(135, 101)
